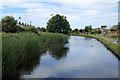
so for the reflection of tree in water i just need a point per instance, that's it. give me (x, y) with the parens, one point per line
(58, 51)
(26, 67)
(23, 67)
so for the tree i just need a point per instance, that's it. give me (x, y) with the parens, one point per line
(88, 28)
(9, 24)
(75, 30)
(42, 29)
(112, 29)
(58, 24)
(81, 30)
(103, 26)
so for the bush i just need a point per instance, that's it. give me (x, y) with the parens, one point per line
(20, 29)
(113, 29)
(31, 29)
(9, 25)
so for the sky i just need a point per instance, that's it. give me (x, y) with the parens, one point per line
(79, 13)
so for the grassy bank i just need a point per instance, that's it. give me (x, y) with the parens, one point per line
(109, 36)
(18, 47)
(115, 48)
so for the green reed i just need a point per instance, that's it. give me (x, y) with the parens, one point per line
(22, 46)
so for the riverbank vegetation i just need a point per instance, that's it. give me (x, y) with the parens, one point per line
(18, 47)
(24, 42)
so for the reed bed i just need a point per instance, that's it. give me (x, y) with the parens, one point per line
(17, 47)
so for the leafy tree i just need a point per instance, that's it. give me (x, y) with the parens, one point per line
(103, 26)
(75, 30)
(93, 31)
(81, 30)
(99, 31)
(118, 23)
(58, 24)
(70, 31)
(88, 28)
(42, 29)
(9, 24)
(112, 29)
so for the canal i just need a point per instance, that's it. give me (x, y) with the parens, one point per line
(81, 57)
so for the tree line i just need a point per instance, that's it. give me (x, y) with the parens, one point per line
(57, 24)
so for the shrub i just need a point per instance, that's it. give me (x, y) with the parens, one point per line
(9, 25)
(31, 29)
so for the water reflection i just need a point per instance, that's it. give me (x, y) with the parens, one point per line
(15, 70)
(77, 59)
(58, 51)
(28, 67)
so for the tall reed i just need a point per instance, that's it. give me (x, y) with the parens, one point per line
(18, 47)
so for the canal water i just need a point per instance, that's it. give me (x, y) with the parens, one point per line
(81, 57)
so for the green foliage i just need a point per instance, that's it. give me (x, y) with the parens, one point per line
(113, 29)
(88, 28)
(118, 23)
(76, 31)
(42, 29)
(31, 29)
(103, 26)
(58, 51)
(9, 24)
(95, 32)
(99, 32)
(58, 24)
(19, 29)
(81, 30)
(25, 45)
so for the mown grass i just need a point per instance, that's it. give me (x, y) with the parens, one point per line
(109, 36)
(18, 47)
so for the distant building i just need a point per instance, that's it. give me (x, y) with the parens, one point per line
(21, 24)
(105, 29)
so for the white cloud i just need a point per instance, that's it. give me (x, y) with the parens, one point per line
(78, 12)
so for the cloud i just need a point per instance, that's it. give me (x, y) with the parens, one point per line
(78, 12)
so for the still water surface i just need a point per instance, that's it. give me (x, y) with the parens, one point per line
(80, 58)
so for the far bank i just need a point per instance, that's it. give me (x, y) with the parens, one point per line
(115, 48)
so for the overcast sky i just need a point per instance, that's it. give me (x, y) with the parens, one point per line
(79, 12)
